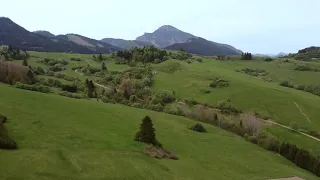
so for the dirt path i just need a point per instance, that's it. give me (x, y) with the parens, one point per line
(291, 178)
(305, 115)
(106, 87)
(287, 127)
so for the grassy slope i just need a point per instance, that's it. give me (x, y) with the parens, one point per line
(62, 138)
(246, 92)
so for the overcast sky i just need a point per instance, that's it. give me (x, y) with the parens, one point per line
(258, 26)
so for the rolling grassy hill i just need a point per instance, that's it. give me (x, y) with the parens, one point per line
(245, 91)
(63, 138)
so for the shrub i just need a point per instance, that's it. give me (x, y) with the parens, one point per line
(3, 118)
(38, 70)
(7, 144)
(219, 83)
(286, 84)
(191, 102)
(146, 134)
(158, 107)
(36, 87)
(268, 59)
(253, 139)
(75, 59)
(226, 107)
(69, 88)
(166, 96)
(71, 95)
(305, 68)
(56, 68)
(253, 72)
(198, 127)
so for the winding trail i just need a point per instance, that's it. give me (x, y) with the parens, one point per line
(306, 116)
(106, 87)
(287, 127)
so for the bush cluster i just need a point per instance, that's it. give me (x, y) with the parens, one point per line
(52, 62)
(219, 83)
(5, 141)
(305, 68)
(71, 95)
(182, 55)
(35, 87)
(65, 77)
(253, 72)
(198, 127)
(75, 59)
(146, 54)
(313, 89)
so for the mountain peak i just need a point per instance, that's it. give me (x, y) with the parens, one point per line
(44, 33)
(167, 28)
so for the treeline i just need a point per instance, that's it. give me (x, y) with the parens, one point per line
(12, 53)
(313, 89)
(5, 141)
(146, 54)
(246, 56)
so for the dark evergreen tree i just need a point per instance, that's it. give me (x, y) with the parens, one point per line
(100, 57)
(103, 66)
(25, 62)
(146, 133)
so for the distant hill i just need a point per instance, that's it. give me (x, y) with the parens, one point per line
(13, 34)
(165, 36)
(204, 47)
(45, 33)
(307, 54)
(92, 44)
(125, 44)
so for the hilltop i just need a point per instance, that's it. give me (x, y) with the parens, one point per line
(204, 47)
(13, 34)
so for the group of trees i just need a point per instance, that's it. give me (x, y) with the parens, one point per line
(145, 55)
(92, 93)
(5, 141)
(13, 53)
(246, 56)
(300, 157)
(314, 89)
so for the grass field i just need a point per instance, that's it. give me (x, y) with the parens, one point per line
(245, 91)
(63, 138)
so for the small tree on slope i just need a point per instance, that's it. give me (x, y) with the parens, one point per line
(147, 132)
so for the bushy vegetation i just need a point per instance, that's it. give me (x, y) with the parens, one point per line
(182, 55)
(65, 77)
(89, 70)
(57, 67)
(146, 134)
(145, 55)
(71, 95)
(75, 59)
(12, 53)
(50, 82)
(219, 83)
(313, 89)
(38, 70)
(268, 59)
(53, 62)
(35, 87)
(5, 141)
(227, 107)
(70, 88)
(254, 72)
(305, 68)
(198, 127)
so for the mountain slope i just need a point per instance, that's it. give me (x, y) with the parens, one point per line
(92, 44)
(58, 138)
(204, 47)
(13, 34)
(125, 44)
(45, 33)
(164, 36)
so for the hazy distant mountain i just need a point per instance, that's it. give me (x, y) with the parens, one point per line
(165, 36)
(125, 44)
(45, 33)
(92, 44)
(279, 55)
(13, 34)
(204, 47)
